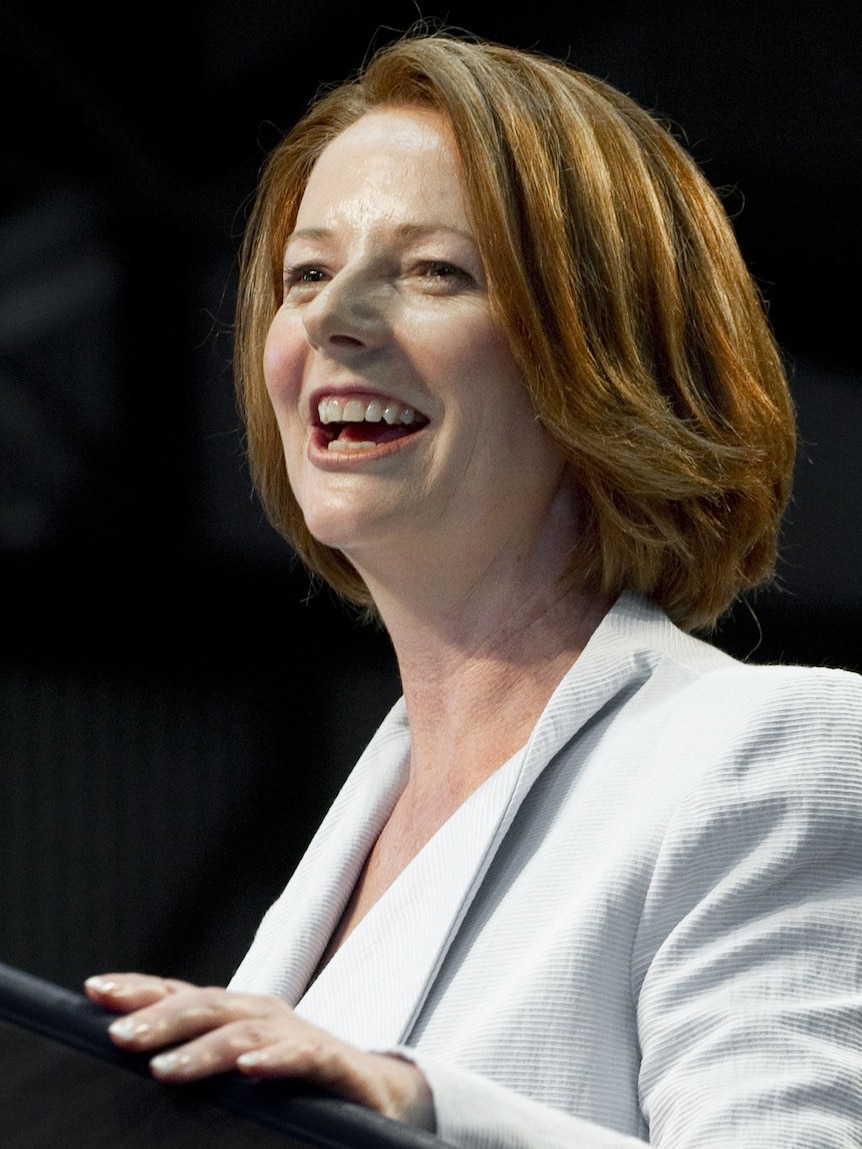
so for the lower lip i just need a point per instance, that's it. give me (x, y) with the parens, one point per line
(320, 455)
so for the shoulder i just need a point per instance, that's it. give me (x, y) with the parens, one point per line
(720, 737)
(765, 809)
(769, 746)
(695, 684)
(777, 703)
(790, 716)
(773, 786)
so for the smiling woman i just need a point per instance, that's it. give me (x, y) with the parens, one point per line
(386, 307)
(593, 883)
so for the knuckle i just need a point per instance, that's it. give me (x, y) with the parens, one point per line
(275, 1003)
(172, 986)
(202, 1004)
(203, 1015)
(257, 1004)
(248, 1034)
(209, 1058)
(196, 1012)
(318, 1055)
(159, 1025)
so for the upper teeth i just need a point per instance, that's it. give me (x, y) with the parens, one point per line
(354, 410)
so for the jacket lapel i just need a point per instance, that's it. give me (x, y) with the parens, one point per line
(295, 930)
(371, 986)
(371, 981)
(607, 667)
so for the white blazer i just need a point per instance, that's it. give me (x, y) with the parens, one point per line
(646, 927)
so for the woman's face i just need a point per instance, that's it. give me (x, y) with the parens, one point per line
(404, 419)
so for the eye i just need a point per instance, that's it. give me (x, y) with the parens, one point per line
(442, 276)
(440, 269)
(303, 276)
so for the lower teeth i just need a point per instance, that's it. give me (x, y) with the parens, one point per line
(350, 445)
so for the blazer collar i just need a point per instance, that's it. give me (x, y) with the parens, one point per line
(294, 933)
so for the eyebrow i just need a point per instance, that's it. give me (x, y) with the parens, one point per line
(404, 231)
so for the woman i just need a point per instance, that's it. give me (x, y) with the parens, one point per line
(508, 384)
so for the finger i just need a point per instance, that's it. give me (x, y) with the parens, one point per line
(388, 1084)
(123, 992)
(324, 1061)
(188, 1013)
(298, 1056)
(217, 1051)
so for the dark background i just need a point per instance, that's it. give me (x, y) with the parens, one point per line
(177, 708)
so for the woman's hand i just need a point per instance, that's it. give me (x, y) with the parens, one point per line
(213, 1031)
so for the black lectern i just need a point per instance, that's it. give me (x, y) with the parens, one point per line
(64, 1083)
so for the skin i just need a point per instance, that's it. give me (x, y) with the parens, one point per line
(386, 298)
(211, 1031)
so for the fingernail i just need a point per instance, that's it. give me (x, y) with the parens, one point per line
(127, 1028)
(253, 1058)
(100, 984)
(168, 1062)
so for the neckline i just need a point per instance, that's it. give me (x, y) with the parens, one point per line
(491, 797)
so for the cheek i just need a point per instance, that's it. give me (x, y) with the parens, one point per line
(283, 361)
(492, 379)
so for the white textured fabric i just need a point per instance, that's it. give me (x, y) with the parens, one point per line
(388, 946)
(648, 926)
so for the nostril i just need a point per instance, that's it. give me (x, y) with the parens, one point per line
(345, 341)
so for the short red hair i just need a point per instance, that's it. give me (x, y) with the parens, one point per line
(616, 275)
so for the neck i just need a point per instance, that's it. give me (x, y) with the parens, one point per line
(482, 640)
(483, 691)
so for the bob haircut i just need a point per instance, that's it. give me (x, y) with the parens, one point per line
(616, 276)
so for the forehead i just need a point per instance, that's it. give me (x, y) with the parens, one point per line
(392, 162)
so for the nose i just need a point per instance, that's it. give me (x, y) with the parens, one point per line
(348, 314)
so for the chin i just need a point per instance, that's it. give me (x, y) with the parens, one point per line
(349, 517)
(340, 530)
(360, 537)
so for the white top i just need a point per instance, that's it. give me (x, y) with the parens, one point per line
(647, 926)
(387, 944)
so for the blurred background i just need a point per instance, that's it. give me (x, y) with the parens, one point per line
(177, 708)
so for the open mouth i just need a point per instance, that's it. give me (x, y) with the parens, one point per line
(354, 424)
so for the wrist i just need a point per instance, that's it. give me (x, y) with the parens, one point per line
(410, 1096)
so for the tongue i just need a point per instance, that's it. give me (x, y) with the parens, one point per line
(372, 432)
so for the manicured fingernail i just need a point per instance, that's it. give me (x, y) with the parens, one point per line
(168, 1062)
(254, 1058)
(127, 1028)
(100, 984)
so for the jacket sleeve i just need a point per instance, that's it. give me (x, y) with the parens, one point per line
(747, 964)
(474, 1112)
